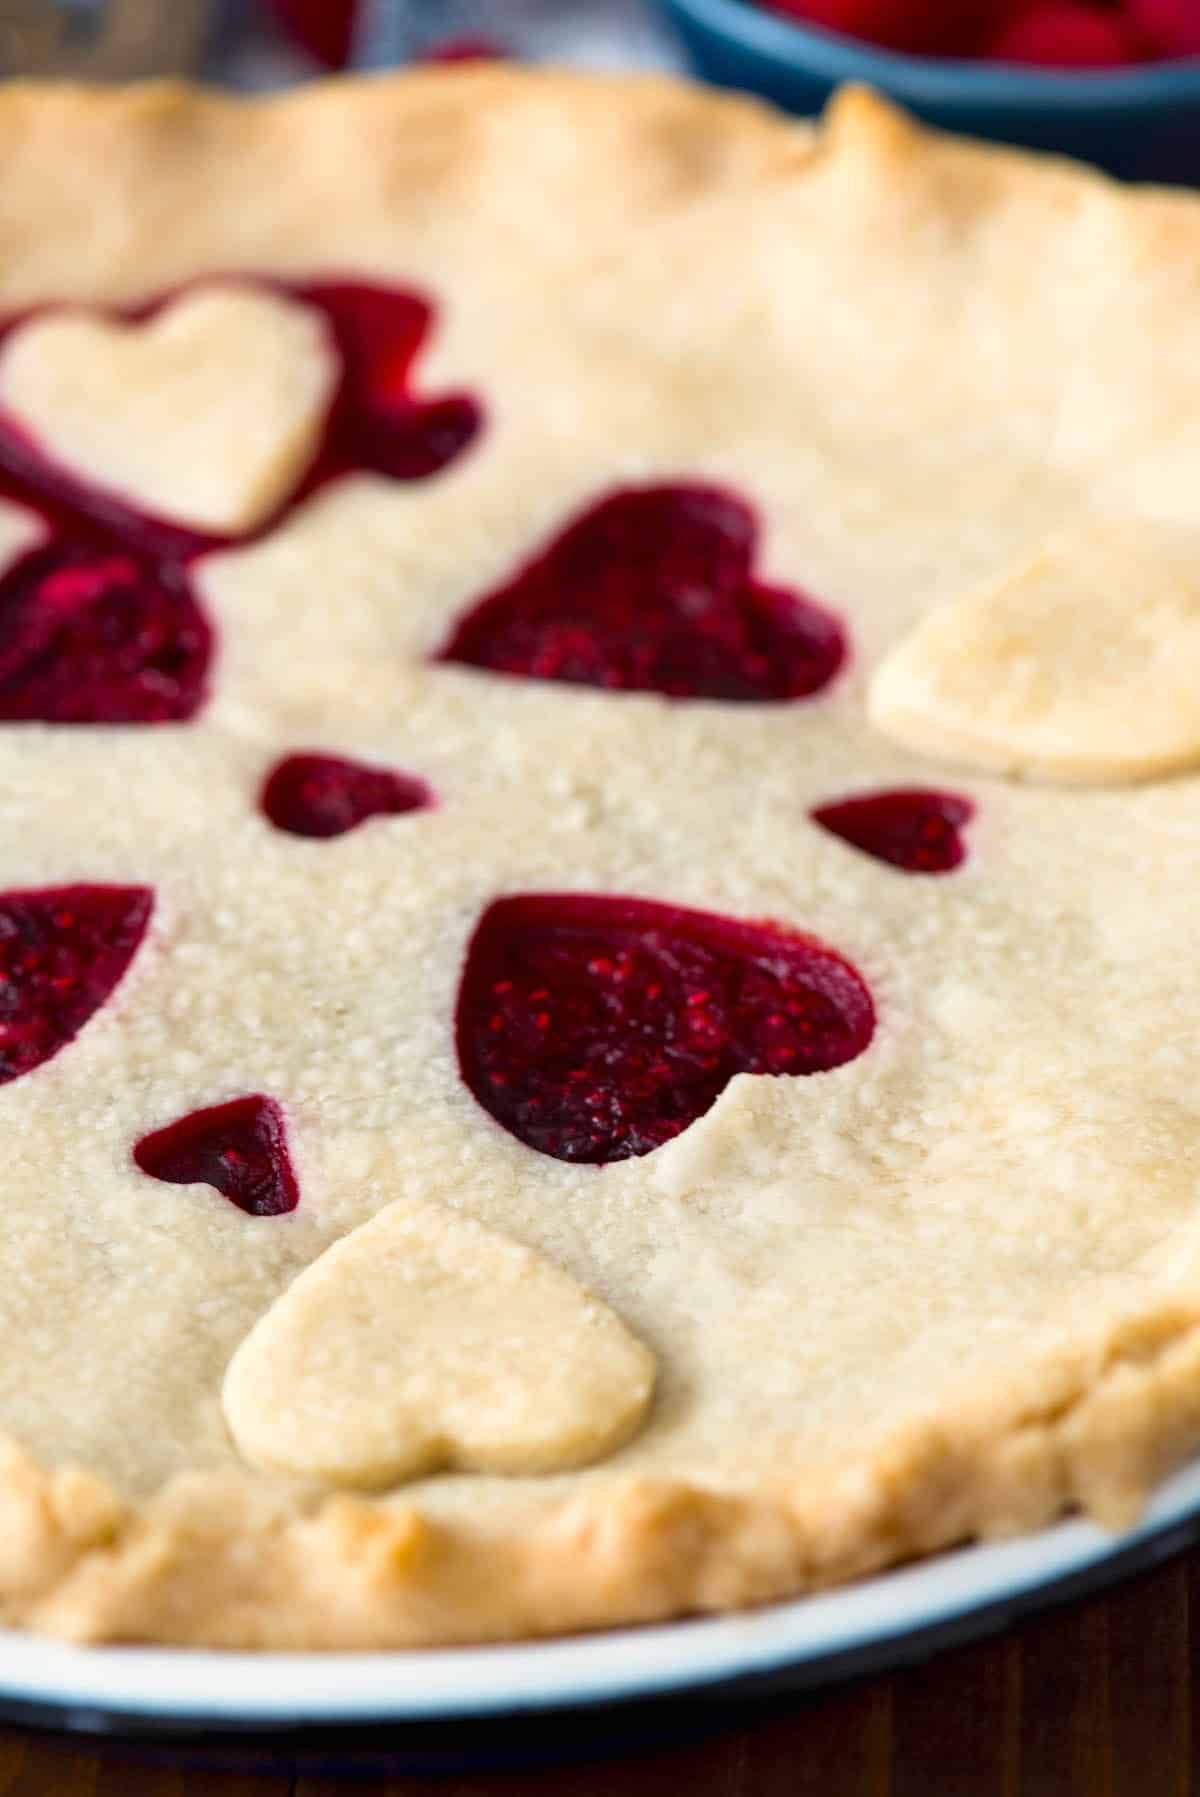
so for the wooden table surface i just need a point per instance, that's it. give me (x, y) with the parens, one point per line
(1099, 1699)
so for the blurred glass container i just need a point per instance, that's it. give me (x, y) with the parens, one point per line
(104, 40)
(614, 33)
(269, 43)
(384, 33)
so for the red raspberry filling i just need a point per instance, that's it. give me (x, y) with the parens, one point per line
(916, 829)
(63, 949)
(377, 422)
(239, 1147)
(326, 795)
(652, 590)
(595, 1028)
(99, 635)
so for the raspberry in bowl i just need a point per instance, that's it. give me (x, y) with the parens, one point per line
(1116, 82)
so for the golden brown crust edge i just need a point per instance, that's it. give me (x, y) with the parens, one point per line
(229, 1563)
(75, 156)
(219, 1562)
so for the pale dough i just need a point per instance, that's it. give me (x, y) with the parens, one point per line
(423, 1340)
(1083, 663)
(952, 1287)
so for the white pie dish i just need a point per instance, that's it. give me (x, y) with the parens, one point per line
(870, 1626)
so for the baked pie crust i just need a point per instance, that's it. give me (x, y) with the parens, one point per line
(945, 1286)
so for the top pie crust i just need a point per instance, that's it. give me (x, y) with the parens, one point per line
(948, 1289)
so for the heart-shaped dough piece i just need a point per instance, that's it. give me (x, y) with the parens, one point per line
(424, 1340)
(1081, 665)
(19, 531)
(206, 413)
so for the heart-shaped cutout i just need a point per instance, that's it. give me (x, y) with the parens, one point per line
(594, 1028)
(240, 1148)
(96, 635)
(914, 828)
(424, 1340)
(327, 795)
(204, 413)
(62, 951)
(653, 590)
(1083, 664)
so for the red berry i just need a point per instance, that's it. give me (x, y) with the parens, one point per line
(1167, 27)
(653, 590)
(325, 28)
(594, 1028)
(1064, 34)
(239, 1147)
(921, 27)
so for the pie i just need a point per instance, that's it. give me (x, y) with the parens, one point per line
(600, 789)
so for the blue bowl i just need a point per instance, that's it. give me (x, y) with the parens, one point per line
(1141, 122)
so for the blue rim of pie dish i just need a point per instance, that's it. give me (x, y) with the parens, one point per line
(1142, 121)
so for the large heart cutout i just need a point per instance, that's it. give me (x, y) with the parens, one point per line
(424, 1340)
(1082, 664)
(62, 951)
(653, 590)
(594, 1028)
(204, 413)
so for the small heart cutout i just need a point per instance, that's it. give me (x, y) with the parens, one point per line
(1083, 664)
(205, 413)
(424, 1340)
(239, 1147)
(62, 951)
(327, 795)
(594, 1028)
(916, 828)
(653, 590)
(95, 635)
